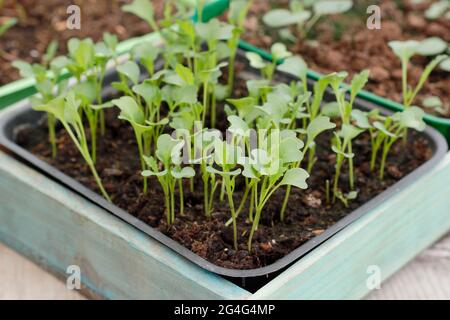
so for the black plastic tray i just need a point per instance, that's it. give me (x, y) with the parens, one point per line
(22, 115)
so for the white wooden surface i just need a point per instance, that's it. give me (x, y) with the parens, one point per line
(426, 277)
(22, 279)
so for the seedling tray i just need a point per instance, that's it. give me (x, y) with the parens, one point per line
(23, 116)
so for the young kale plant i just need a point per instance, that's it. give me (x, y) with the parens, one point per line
(342, 141)
(168, 153)
(236, 17)
(405, 50)
(130, 111)
(143, 9)
(47, 83)
(278, 51)
(66, 110)
(267, 168)
(304, 15)
(389, 129)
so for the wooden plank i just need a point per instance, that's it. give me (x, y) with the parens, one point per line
(388, 237)
(20, 279)
(57, 228)
(426, 277)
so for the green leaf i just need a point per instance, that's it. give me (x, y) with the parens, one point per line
(153, 165)
(7, 25)
(412, 118)
(25, 69)
(381, 127)
(326, 7)
(71, 106)
(143, 9)
(282, 18)
(290, 149)
(102, 106)
(146, 53)
(331, 109)
(223, 173)
(426, 73)
(361, 119)
(111, 41)
(165, 147)
(182, 120)
(186, 172)
(238, 126)
(295, 177)
(445, 65)
(238, 12)
(214, 30)
(226, 154)
(150, 173)
(51, 51)
(59, 63)
(243, 105)
(55, 107)
(256, 87)
(185, 74)
(256, 61)
(350, 132)
(86, 92)
(150, 92)
(248, 171)
(186, 94)
(437, 9)
(279, 51)
(404, 49)
(317, 126)
(129, 110)
(432, 102)
(82, 52)
(432, 46)
(358, 83)
(295, 66)
(131, 70)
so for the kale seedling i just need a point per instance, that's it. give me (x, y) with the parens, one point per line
(226, 158)
(301, 15)
(267, 167)
(131, 112)
(168, 154)
(278, 51)
(67, 112)
(46, 80)
(404, 50)
(236, 17)
(342, 142)
(395, 127)
(143, 9)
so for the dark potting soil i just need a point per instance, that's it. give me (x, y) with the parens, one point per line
(40, 22)
(308, 214)
(344, 43)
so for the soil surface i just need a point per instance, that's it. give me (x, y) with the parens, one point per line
(40, 22)
(344, 43)
(308, 214)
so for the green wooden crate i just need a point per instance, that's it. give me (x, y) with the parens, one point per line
(57, 228)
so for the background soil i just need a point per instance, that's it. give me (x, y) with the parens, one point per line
(40, 22)
(344, 43)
